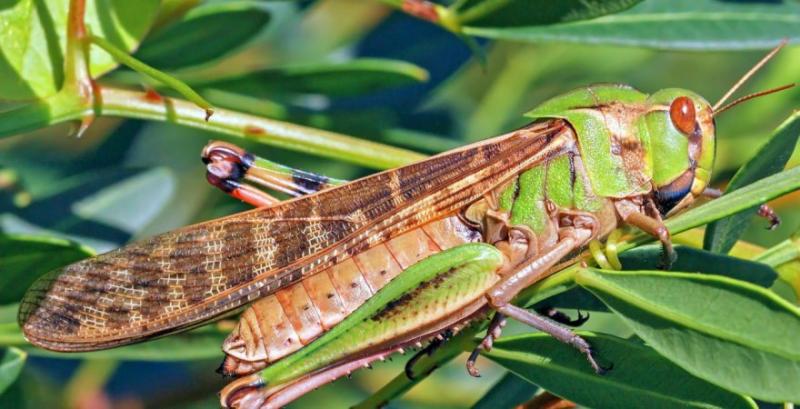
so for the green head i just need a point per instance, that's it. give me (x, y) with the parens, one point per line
(632, 143)
(680, 125)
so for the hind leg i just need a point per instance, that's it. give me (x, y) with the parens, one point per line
(235, 171)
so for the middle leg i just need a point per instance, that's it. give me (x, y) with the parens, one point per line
(500, 295)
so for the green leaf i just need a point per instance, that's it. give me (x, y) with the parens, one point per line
(671, 24)
(131, 203)
(733, 334)
(100, 209)
(521, 13)
(26, 257)
(508, 392)
(575, 298)
(700, 261)
(353, 77)
(10, 366)
(204, 34)
(640, 375)
(33, 38)
(770, 159)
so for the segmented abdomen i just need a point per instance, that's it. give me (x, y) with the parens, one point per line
(285, 321)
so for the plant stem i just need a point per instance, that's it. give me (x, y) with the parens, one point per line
(134, 104)
(158, 75)
(77, 79)
(428, 11)
(88, 380)
(785, 252)
(482, 9)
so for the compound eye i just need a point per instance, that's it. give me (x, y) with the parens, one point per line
(682, 114)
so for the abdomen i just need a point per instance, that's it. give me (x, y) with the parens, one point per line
(290, 318)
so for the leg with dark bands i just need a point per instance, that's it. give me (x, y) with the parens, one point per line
(229, 167)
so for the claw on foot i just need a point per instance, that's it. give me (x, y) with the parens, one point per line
(598, 369)
(563, 318)
(586, 349)
(577, 322)
(471, 369)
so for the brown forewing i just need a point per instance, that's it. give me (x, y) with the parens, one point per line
(180, 279)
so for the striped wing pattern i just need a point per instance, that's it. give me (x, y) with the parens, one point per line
(183, 278)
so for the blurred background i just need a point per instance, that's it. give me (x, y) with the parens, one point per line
(127, 179)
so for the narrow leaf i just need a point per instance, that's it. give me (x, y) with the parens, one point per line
(131, 203)
(508, 392)
(522, 13)
(353, 77)
(26, 257)
(733, 334)
(204, 34)
(640, 375)
(11, 363)
(34, 32)
(770, 159)
(700, 261)
(671, 24)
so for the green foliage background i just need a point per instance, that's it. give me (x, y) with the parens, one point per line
(365, 69)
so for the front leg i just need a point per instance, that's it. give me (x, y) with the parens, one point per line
(645, 217)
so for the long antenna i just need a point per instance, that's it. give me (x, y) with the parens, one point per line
(749, 74)
(738, 101)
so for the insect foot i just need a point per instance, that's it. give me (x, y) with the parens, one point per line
(583, 346)
(492, 333)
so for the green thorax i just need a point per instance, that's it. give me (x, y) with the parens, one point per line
(562, 181)
(612, 133)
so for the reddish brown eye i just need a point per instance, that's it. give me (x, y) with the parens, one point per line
(682, 114)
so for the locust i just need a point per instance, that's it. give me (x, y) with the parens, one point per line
(346, 273)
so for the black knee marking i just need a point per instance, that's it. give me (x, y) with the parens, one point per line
(309, 182)
(563, 318)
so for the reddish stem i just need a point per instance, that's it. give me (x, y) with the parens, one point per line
(421, 9)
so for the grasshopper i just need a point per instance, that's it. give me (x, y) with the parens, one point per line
(349, 272)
